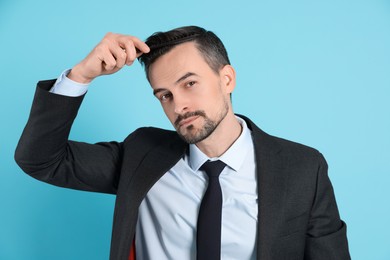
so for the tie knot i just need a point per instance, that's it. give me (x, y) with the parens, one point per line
(213, 168)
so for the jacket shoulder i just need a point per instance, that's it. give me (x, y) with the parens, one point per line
(273, 144)
(295, 147)
(148, 137)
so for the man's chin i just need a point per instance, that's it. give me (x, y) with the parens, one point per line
(187, 136)
(195, 137)
(190, 140)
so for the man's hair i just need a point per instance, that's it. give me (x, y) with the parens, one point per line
(207, 43)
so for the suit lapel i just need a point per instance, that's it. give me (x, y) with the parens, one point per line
(157, 162)
(271, 185)
(149, 169)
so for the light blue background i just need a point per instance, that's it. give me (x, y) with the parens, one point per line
(316, 72)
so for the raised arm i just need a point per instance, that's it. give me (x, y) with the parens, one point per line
(44, 151)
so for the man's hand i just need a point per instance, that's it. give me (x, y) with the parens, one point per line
(108, 57)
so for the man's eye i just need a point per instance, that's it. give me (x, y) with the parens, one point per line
(191, 83)
(165, 97)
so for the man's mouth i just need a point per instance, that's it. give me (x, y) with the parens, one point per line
(188, 118)
(187, 121)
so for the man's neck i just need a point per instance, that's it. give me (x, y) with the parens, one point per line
(222, 138)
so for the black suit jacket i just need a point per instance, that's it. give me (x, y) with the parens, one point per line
(298, 216)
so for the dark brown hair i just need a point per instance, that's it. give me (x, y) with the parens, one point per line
(208, 44)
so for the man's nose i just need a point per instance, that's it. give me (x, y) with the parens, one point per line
(181, 105)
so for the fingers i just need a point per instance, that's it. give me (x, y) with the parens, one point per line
(119, 55)
(109, 56)
(130, 50)
(124, 49)
(133, 47)
(141, 46)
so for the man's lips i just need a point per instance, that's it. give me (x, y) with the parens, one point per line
(188, 118)
(187, 121)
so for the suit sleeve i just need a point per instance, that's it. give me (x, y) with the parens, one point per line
(45, 153)
(326, 235)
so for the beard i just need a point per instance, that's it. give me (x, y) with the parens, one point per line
(192, 135)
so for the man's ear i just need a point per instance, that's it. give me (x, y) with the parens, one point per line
(228, 78)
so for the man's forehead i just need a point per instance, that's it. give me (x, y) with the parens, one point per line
(182, 59)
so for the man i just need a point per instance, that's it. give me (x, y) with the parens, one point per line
(272, 200)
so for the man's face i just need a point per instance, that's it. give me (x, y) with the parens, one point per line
(194, 97)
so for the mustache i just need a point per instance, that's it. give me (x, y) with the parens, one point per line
(189, 114)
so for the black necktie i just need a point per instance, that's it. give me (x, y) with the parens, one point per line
(209, 219)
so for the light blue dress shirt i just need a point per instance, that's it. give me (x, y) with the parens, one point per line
(67, 87)
(166, 226)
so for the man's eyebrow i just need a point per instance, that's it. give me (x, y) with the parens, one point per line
(188, 74)
(156, 91)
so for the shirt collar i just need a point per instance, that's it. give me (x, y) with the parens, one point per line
(240, 147)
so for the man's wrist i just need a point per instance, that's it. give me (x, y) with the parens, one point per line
(68, 87)
(77, 76)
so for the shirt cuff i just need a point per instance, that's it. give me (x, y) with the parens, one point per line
(67, 87)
